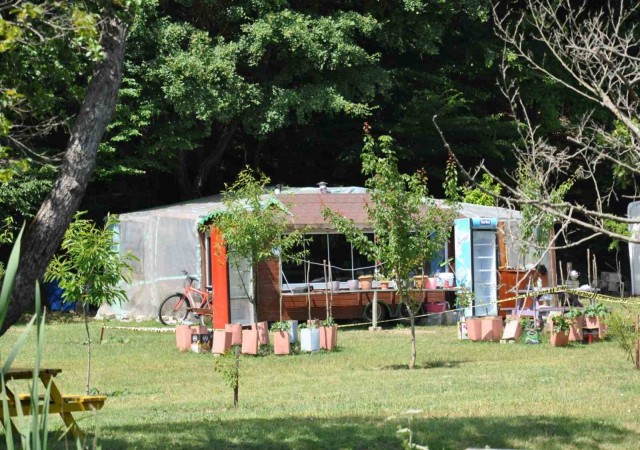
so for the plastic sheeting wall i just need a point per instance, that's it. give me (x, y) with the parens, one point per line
(165, 246)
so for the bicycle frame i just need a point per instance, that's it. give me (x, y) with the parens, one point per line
(207, 297)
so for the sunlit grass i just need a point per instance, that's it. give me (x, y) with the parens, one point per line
(470, 394)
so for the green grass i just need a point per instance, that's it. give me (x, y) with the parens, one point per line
(470, 394)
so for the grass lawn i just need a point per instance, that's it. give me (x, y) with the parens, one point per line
(470, 394)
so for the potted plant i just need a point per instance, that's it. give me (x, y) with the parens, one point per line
(281, 344)
(595, 314)
(559, 331)
(309, 336)
(328, 334)
(383, 280)
(576, 323)
(365, 281)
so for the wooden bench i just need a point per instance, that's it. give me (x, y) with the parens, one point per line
(70, 403)
(22, 404)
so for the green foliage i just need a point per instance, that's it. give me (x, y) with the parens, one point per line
(574, 314)
(483, 194)
(281, 326)
(90, 269)
(409, 229)
(536, 225)
(225, 366)
(328, 322)
(560, 324)
(618, 228)
(464, 297)
(596, 310)
(621, 325)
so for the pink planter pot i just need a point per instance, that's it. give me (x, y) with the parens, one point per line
(559, 339)
(328, 337)
(250, 342)
(431, 283)
(365, 284)
(221, 342)
(474, 328)
(236, 333)
(281, 344)
(575, 330)
(596, 322)
(263, 332)
(491, 328)
(183, 337)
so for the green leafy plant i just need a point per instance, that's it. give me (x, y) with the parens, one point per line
(596, 310)
(464, 297)
(527, 323)
(254, 226)
(228, 366)
(621, 325)
(328, 322)
(574, 314)
(90, 270)
(281, 326)
(408, 226)
(560, 324)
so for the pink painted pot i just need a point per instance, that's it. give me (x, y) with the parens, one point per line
(250, 342)
(559, 339)
(221, 342)
(281, 344)
(474, 328)
(236, 333)
(329, 337)
(263, 332)
(491, 328)
(183, 337)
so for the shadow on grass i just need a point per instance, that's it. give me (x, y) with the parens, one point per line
(370, 433)
(427, 365)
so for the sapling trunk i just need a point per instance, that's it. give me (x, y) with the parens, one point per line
(412, 316)
(86, 326)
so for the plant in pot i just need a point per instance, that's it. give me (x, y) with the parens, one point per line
(595, 315)
(559, 331)
(473, 325)
(281, 343)
(365, 281)
(383, 280)
(309, 336)
(328, 334)
(576, 323)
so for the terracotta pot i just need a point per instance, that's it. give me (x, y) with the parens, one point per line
(221, 342)
(491, 328)
(236, 333)
(575, 333)
(474, 328)
(328, 337)
(560, 339)
(592, 322)
(512, 330)
(365, 282)
(384, 285)
(419, 281)
(281, 344)
(250, 342)
(263, 332)
(183, 337)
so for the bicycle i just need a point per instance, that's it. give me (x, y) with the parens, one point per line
(177, 307)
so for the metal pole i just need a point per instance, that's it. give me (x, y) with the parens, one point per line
(375, 309)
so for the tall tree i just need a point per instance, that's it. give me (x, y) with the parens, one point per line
(56, 212)
(408, 227)
(590, 51)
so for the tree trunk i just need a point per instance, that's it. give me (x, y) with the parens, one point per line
(213, 157)
(56, 212)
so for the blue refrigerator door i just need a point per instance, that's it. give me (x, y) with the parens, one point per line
(462, 241)
(485, 273)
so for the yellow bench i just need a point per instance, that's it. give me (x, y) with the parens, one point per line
(58, 403)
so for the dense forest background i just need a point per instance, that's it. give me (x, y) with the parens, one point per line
(285, 87)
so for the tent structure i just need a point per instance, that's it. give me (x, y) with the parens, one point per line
(167, 242)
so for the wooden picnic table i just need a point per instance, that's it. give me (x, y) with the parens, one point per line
(58, 403)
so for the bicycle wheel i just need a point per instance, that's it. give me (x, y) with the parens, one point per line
(174, 309)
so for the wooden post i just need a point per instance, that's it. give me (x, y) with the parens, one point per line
(101, 333)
